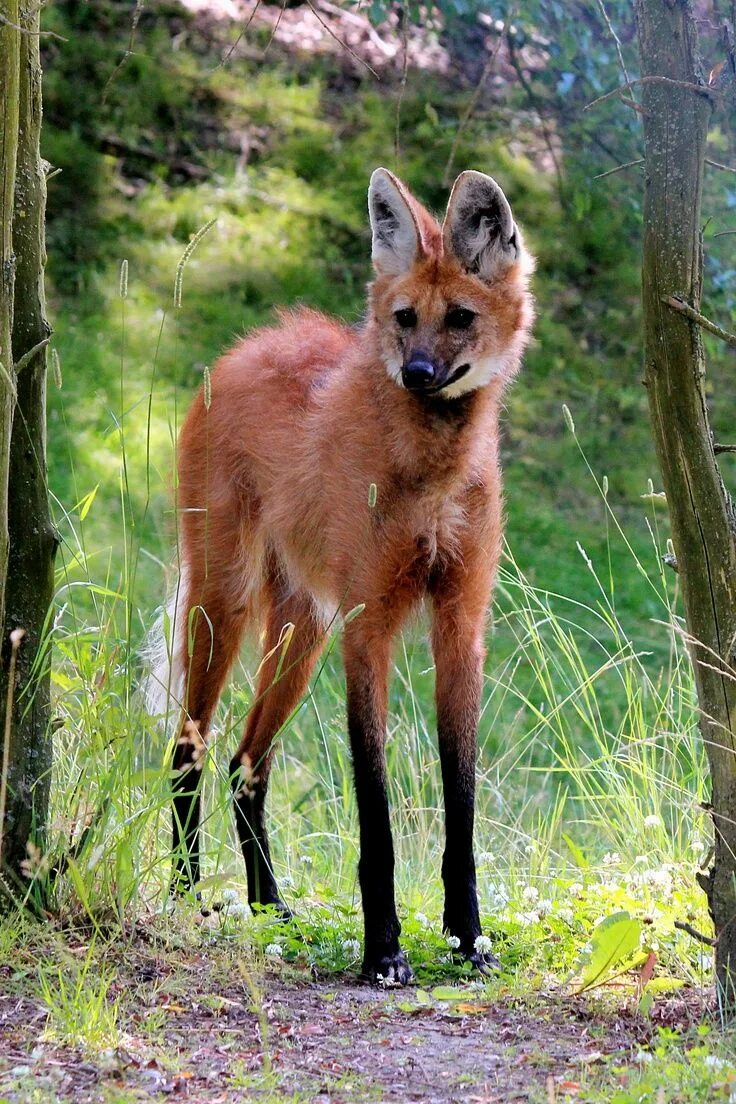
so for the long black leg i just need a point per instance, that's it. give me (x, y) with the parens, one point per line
(458, 652)
(290, 655)
(249, 806)
(367, 674)
(186, 812)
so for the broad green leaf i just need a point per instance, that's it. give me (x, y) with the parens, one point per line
(614, 941)
(448, 993)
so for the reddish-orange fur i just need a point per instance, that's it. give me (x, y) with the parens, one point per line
(273, 498)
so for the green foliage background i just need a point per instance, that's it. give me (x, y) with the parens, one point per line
(151, 147)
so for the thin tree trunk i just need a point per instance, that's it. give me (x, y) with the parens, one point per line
(29, 585)
(9, 70)
(701, 513)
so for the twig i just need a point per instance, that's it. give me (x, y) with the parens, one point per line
(328, 28)
(275, 27)
(718, 447)
(238, 40)
(619, 168)
(26, 30)
(634, 105)
(696, 316)
(700, 89)
(402, 85)
(724, 233)
(709, 941)
(532, 97)
(137, 12)
(473, 103)
(26, 359)
(617, 40)
(720, 165)
(16, 639)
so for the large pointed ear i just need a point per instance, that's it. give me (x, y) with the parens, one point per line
(479, 228)
(397, 242)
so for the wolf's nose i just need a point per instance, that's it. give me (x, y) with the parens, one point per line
(418, 372)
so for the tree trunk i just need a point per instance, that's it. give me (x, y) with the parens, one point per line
(701, 513)
(9, 68)
(29, 584)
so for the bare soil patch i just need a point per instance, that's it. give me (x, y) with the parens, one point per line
(205, 1026)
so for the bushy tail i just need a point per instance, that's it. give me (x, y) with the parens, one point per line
(163, 685)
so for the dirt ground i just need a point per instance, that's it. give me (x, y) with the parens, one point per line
(199, 1028)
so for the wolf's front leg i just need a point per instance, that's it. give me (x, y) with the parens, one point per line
(366, 667)
(457, 642)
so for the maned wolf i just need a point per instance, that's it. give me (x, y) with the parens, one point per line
(325, 468)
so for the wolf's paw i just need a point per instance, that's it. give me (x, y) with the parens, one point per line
(276, 909)
(389, 970)
(485, 962)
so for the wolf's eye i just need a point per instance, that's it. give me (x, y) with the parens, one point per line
(459, 318)
(406, 317)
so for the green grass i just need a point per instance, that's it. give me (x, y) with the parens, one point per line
(591, 775)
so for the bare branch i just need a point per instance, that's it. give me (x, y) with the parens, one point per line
(682, 925)
(619, 168)
(617, 40)
(696, 316)
(699, 89)
(719, 165)
(323, 23)
(27, 31)
(473, 102)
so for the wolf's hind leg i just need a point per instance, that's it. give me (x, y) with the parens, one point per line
(294, 639)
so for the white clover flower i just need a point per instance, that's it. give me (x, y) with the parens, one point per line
(575, 889)
(422, 919)
(544, 906)
(531, 847)
(498, 895)
(527, 918)
(486, 858)
(306, 860)
(659, 879)
(274, 950)
(611, 858)
(652, 821)
(351, 947)
(566, 915)
(238, 911)
(229, 896)
(453, 942)
(530, 893)
(483, 945)
(287, 881)
(643, 1056)
(712, 1061)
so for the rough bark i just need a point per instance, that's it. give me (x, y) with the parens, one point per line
(701, 513)
(29, 584)
(9, 71)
